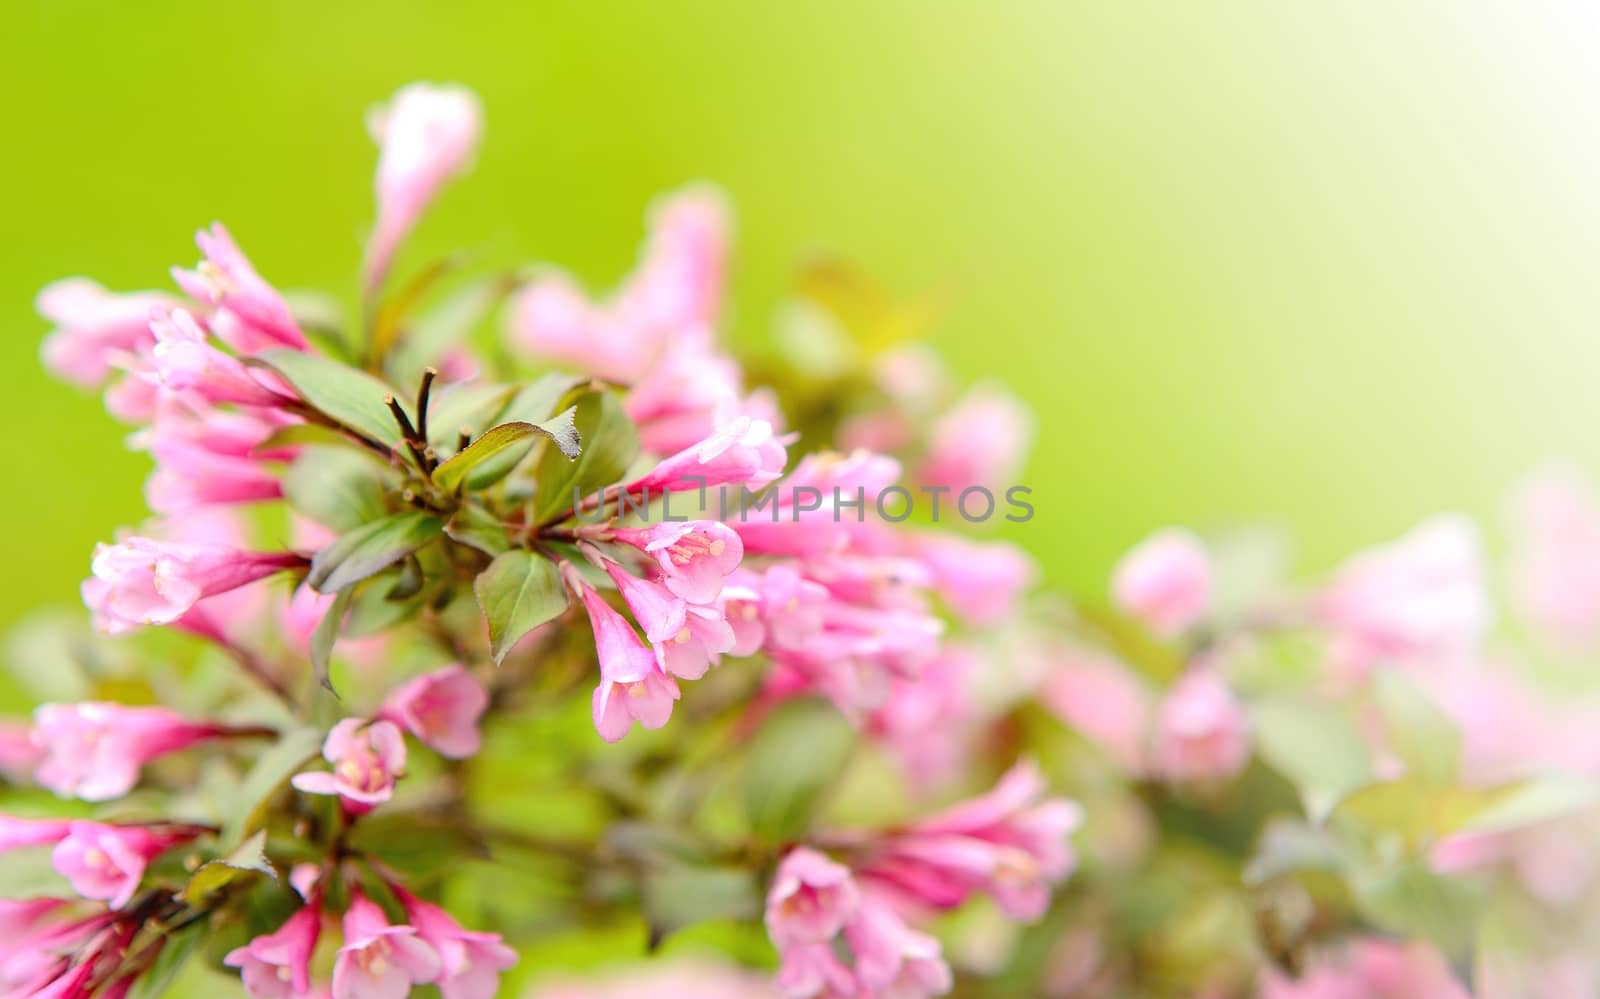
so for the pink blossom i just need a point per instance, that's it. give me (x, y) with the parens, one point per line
(699, 645)
(17, 832)
(367, 758)
(981, 582)
(1201, 732)
(278, 965)
(681, 400)
(140, 581)
(184, 361)
(811, 899)
(19, 757)
(428, 134)
(378, 960)
(250, 314)
(94, 327)
(632, 686)
(741, 608)
(981, 441)
(1165, 581)
(34, 934)
(742, 452)
(1370, 968)
(107, 862)
(1421, 596)
(822, 507)
(806, 970)
(94, 750)
(1010, 842)
(442, 709)
(667, 305)
(657, 609)
(1106, 702)
(189, 476)
(695, 556)
(1555, 566)
(924, 719)
(471, 961)
(892, 959)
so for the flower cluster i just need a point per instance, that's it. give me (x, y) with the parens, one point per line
(476, 627)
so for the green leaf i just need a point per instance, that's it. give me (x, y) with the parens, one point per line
(1543, 799)
(517, 593)
(476, 527)
(1411, 900)
(798, 753)
(678, 895)
(1288, 846)
(425, 338)
(610, 444)
(273, 768)
(371, 548)
(245, 860)
(176, 949)
(26, 872)
(326, 634)
(1315, 747)
(1418, 731)
(339, 489)
(344, 394)
(1417, 810)
(493, 455)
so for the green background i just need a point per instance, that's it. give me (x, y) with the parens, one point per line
(1333, 266)
(1330, 267)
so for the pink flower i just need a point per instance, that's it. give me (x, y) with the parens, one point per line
(380, 961)
(666, 307)
(695, 556)
(1421, 596)
(16, 833)
(139, 581)
(19, 757)
(892, 959)
(471, 962)
(1370, 969)
(94, 750)
(633, 686)
(428, 134)
(1008, 842)
(442, 709)
(188, 475)
(278, 965)
(811, 899)
(682, 399)
(813, 969)
(1165, 581)
(1556, 559)
(184, 361)
(981, 441)
(1106, 702)
(1201, 732)
(367, 759)
(925, 719)
(743, 452)
(107, 862)
(657, 609)
(250, 314)
(699, 645)
(94, 327)
(981, 582)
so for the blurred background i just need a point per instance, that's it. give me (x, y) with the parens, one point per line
(1333, 266)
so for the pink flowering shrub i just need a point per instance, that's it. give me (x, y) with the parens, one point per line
(440, 654)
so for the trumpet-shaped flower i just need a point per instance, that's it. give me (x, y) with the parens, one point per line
(427, 135)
